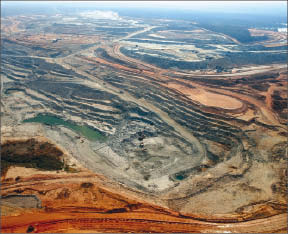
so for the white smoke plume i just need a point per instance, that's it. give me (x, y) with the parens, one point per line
(101, 15)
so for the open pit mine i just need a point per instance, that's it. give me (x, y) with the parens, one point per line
(135, 125)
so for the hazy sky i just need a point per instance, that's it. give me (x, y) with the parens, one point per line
(216, 6)
(237, 6)
(192, 4)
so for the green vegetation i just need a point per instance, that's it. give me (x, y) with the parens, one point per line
(43, 162)
(31, 154)
(87, 132)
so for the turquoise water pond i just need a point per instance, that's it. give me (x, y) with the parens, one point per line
(88, 132)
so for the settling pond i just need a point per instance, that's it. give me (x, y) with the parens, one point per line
(88, 132)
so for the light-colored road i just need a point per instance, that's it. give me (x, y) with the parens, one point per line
(135, 33)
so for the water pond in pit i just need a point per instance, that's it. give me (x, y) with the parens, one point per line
(88, 132)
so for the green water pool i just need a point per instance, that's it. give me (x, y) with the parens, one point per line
(88, 132)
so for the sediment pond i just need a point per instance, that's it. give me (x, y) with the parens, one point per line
(84, 130)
